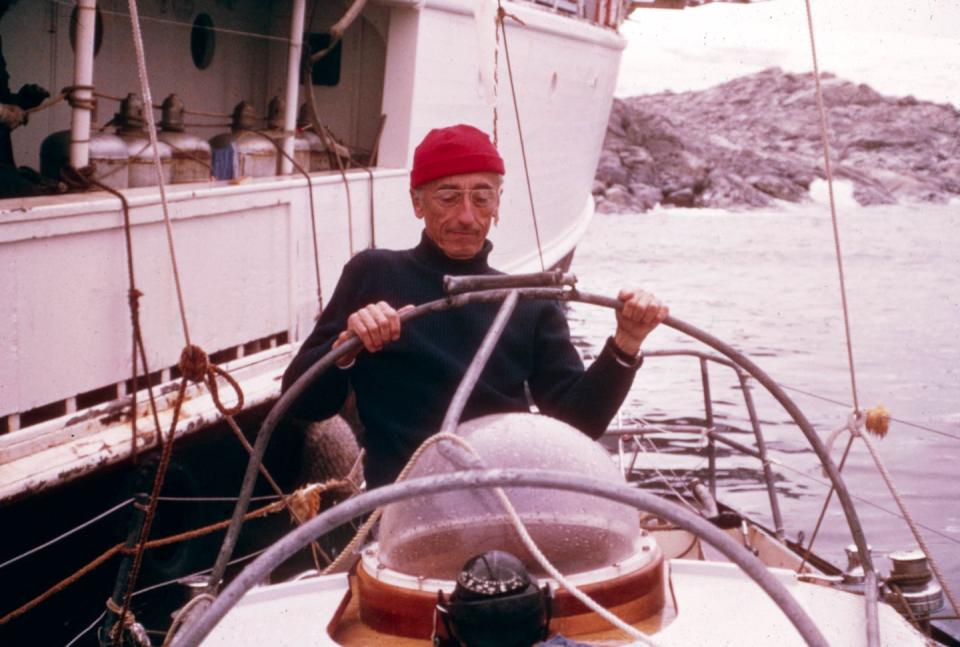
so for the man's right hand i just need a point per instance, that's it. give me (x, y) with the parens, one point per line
(376, 325)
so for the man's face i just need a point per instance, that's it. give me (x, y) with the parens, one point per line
(457, 211)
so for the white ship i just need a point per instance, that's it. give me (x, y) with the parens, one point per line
(256, 254)
(244, 249)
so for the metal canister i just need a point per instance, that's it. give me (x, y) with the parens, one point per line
(301, 148)
(243, 152)
(191, 154)
(912, 588)
(319, 157)
(108, 156)
(130, 128)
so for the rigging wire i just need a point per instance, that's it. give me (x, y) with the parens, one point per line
(178, 23)
(89, 627)
(154, 587)
(846, 405)
(867, 501)
(846, 322)
(73, 530)
(833, 209)
(501, 14)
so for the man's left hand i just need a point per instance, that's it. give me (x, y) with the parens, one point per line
(642, 312)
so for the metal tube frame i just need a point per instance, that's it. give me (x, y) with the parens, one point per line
(555, 294)
(712, 431)
(260, 568)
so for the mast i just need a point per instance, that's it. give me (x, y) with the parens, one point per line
(293, 84)
(83, 80)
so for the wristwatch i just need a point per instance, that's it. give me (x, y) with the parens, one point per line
(625, 359)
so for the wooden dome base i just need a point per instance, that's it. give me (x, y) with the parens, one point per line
(387, 608)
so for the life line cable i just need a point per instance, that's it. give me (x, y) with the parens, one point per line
(857, 418)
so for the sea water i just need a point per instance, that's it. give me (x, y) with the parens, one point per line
(767, 283)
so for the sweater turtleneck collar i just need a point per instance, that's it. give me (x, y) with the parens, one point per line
(428, 253)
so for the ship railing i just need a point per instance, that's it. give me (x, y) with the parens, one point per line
(629, 447)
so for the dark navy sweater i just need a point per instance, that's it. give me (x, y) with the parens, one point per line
(403, 390)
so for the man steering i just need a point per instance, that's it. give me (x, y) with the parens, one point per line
(403, 384)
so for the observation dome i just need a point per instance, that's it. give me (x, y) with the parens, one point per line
(433, 536)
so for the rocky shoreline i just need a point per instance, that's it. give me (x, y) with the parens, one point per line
(756, 140)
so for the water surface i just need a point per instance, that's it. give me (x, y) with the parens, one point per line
(766, 282)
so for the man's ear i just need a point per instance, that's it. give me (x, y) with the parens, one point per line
(416, 198)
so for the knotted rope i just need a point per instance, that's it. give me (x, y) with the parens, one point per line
(195, 366)
(83, 103)
(129, 623)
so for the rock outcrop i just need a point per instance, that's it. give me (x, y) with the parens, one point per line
(756, 139)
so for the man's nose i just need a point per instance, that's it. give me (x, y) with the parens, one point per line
(466, 212)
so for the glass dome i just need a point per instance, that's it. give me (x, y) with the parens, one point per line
(433, 536)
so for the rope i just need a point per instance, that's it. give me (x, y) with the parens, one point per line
(49, 103)
(306, 81)
(882, 468)
(129, 620)
(313, 211)
(84, 178)
(833, 207)
(301, 496)
(81, 103)
(212, 499)
(290, 505)
(182, 614)
(496, 80)
(501, 14)
(59, 586)
(73, 530)
(196, 366)
(154, 493)
(152, 133)
(823, 510)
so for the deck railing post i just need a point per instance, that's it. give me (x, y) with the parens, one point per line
(765, 461)
(711, 442)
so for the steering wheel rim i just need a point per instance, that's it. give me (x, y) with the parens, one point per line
(298, 538)
(278, 411)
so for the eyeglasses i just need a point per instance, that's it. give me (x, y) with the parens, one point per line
(483, 199)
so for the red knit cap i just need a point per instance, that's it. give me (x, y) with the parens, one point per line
(451, 151)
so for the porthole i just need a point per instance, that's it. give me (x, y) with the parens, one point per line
(97, 31)
(202, 41)
(325, 71)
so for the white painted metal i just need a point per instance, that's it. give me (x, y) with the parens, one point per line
(66, 323)
(293, 84)
(716, 605)
(83, 76)
(244, 250)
